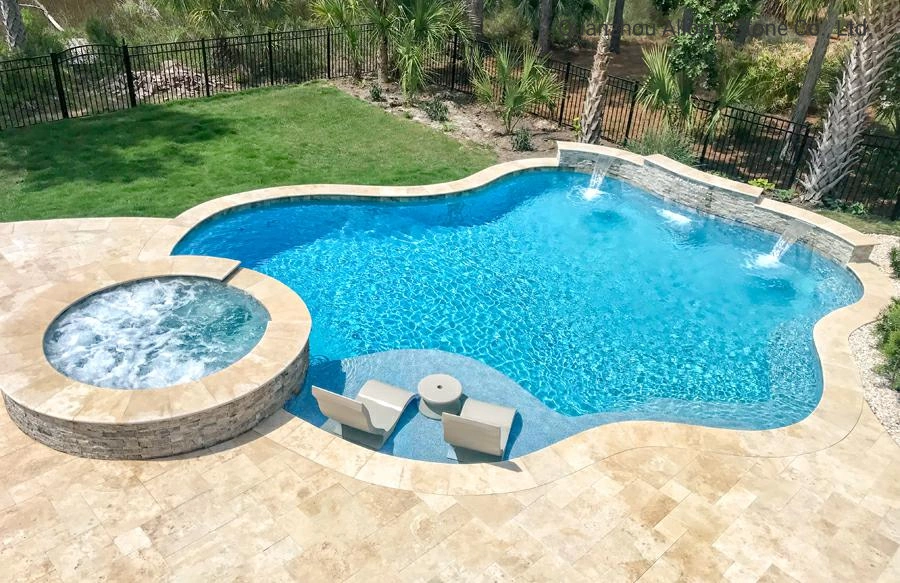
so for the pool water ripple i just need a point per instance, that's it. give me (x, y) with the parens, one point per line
(623, 305)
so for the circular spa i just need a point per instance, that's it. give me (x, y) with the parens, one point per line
(154, 333)
(596, 305)
(169, 357)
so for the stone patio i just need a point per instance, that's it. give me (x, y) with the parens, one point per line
(275, 504)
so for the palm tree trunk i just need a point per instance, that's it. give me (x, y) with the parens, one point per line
(383, 60)
(813, 70)
(546, 18)
(476, 17)
(13, 27)
(617, 22)
(595, 99)
(837, 146)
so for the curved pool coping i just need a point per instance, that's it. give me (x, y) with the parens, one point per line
(91, 421)
(833, 419)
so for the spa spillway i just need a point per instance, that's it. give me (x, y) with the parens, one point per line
(148, 359)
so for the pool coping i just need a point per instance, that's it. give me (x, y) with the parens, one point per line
(833, 419)
(38, 390)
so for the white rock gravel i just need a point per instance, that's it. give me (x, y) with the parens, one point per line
(883, 400)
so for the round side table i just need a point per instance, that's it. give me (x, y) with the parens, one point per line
(439, 393)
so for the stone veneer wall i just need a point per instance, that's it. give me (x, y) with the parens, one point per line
(164, 437)
(712, 199)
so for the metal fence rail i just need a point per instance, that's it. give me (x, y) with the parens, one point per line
(92, 79)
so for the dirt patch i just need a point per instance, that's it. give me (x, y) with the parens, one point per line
(467, 119)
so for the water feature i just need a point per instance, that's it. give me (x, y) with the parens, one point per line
(601, 167)
(604, 309)
(793, 233)
(155, 333)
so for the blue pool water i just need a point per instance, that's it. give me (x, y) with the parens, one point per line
(621, 306)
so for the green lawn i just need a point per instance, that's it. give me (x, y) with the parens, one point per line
(865, 223)
(161, 160)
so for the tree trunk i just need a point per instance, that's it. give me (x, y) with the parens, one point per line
(813, 70)
(836, 148)
(595, 99)
(546, 18)
(687, 21)
(13, 27)
(618, 20)
(383, 60)
(476, 17)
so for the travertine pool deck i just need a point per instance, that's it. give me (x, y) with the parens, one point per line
(635, 501)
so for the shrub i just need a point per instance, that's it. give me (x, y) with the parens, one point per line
(895, 261)
(521, 140)
(435, 109)
(375, 93)
(508, 25)
(887, 334)
(666, 141)
(782, 195)
(854, 208)
(763, 183)
(776, 72)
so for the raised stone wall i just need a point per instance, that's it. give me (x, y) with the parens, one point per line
(729, 199)
(168, 436)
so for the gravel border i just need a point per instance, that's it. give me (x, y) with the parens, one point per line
(883, 400)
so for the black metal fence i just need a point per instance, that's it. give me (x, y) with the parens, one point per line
(93, 79)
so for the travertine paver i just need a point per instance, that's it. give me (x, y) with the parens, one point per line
(261, 507)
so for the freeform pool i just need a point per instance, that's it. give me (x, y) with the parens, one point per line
(155, 332)
(620, 304)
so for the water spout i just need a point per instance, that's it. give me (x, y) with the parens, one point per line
(601, 167)
(794, 232)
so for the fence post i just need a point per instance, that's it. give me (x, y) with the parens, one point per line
(708, 131)
(634, 94)
(129, 74)
(60, 92)
(798, 157)
(453, 62)
(205, 65)
(271, 60)
(565, 93)
(328, 54)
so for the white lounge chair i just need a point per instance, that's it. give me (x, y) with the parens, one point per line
(375, 411)
(480, 426)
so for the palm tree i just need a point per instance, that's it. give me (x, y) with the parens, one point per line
(807, 9)
(381, 15)
(617, 23)
(476, 16)
(13, 28)
(344, 15)
(595, 99)
(544, 22)
(836, 148)
(420, 31)
(666, 90)
(518, 82)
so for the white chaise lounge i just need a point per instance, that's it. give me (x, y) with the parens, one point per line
(375, 411)
(481, 427)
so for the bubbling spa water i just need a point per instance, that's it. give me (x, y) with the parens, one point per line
(155, 333)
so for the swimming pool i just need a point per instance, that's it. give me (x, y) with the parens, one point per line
(621, 305)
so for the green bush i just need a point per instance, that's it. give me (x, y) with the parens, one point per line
(666, 141)
(887, 334)
(782, 195)
(508, 25)
(895, 261)
(763, 183)
(435, 109)
(776, 72)
(521, 140)
(857, 209)
(375, 93)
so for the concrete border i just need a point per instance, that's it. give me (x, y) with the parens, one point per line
(91, 421)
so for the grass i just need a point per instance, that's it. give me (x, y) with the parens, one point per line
(158, 160)
(864, 223)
